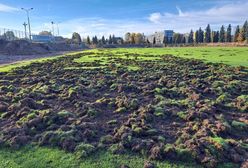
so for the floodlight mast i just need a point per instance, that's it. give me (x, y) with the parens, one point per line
(58, 28)
(29, 26)
(53, 27)
(25, 29)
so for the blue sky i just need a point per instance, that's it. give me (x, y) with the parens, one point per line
(104, 17)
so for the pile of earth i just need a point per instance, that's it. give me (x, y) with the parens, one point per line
(23, 47)
(169, 108)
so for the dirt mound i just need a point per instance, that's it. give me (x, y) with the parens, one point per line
(170, 108)
(23, 47)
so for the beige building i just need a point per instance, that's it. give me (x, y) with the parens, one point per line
(159, 36)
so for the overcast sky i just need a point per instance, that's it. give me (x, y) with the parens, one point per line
(104, 17)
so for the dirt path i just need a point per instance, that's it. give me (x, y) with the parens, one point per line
(8, 59)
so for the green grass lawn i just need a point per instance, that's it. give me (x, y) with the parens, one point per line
(42, 157)
(235, 56)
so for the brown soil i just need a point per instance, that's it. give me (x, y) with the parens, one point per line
(19, 50)
(10, 59)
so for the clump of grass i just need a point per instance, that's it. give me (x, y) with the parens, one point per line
(65, 114)
(223, 98)
(159, 111)
(183, 115)
(219, 142)
(239, 125)
(107, 139)
(92, 112)
(84, 150)
(112, 122)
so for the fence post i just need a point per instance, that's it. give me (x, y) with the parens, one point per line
(10, 34)
(4, 34)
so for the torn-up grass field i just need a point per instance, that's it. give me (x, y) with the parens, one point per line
(126, 106)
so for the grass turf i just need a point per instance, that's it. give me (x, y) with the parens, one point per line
(42, 157)
(234, 56)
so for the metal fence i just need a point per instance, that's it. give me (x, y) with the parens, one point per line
(10, 34)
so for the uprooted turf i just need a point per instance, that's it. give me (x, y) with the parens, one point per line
(164, 108)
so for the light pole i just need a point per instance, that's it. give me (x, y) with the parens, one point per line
(53, 27)
(58, 28)
(25, 28)
(29, 26)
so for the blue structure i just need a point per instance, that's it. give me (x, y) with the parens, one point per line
(168, 33)
(42, 38)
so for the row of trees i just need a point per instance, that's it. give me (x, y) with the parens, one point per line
(9, 35)
(223, 35)
(241, 34)
(111, 40)
(134, 38)
(130, 38)
(76, 38)
(199, 36)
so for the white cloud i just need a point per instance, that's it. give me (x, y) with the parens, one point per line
(182, 21)
(6, 8)
(233, 13)
(155, 17)
(180, 11)
(99, 26)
